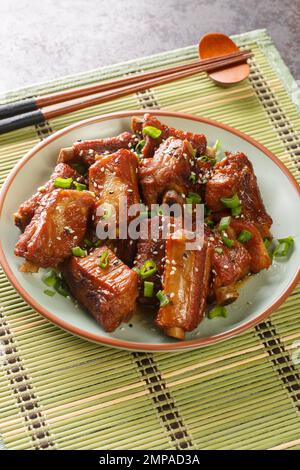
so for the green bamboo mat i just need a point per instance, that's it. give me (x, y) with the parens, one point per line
(60, 392)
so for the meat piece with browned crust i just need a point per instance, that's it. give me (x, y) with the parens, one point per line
(260, 258)
(229, 265)
(234, 175)
(109, 294)
(151, 247)
(59, 224)
(85, 150)
(198, 141)
(27, 209)
(113, 177)
(169, 170)
(185, 283)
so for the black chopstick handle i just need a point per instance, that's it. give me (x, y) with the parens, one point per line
(21, 120)
(17, 107)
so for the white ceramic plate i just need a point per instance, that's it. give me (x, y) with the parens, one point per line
(258, 296)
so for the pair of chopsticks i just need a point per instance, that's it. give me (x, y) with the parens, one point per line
(37, 110)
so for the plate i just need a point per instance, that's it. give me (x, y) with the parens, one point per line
(259, 296)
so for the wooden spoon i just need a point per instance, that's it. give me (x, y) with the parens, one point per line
(217, 44)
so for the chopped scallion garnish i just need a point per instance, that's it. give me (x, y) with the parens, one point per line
(50, 278)
(193, 198)
(152, 132)
(227, 241)
(61, 288)
(108, 208)
(193, 177)
(77, 251)
(235, 211)
(244, 236)
(104, 259)
(88, 243)
(65, 183)
(224, 223)
(217, 146)
(163, 298)
(139, 147)
(79, 167)
(284, 247)
(135, 269)
(49, 292)
(218, 311)
(148, 269)
(218, 250)
(231, 202)
(80, 186)
(210, 222)
(148, 289)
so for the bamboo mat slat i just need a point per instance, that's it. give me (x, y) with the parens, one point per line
(58, 391)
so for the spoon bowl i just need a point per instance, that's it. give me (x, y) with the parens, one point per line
(217, 44)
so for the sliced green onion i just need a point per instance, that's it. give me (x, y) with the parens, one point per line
(77, 251)
(218, 250)
(160, 211)
(61, 288)
(207, 210)
(88, 243)
(227, 241)
(148, 289)
(205, 158)
(97, 243)
(163, 298)
(244, 236)
(210, 223)
(284, 246)
(50, 278)
(217, 145)
(51, 293)
(231, 202)
(136, 270)
(108, 211)
(79, 167)
(267, 243)
(217, 311)
(65, 183)
(235, 211)
(193, 198)
(152, 132)
(139, 147)
(104, 259)
(148, 269)
(224, 223)
(143, 214)
(80, 186)
(193, 177)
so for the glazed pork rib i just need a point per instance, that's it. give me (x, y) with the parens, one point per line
(58, 225)
(151, 248)
(185, 283)
(27, 209)
(109, 294)
(167, 172)
(111, 178)
(235, 175)
(85, 151)
(260, 258)
(228, 266)
(198, 141)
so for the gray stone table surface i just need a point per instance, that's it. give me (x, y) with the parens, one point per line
(44, 40)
